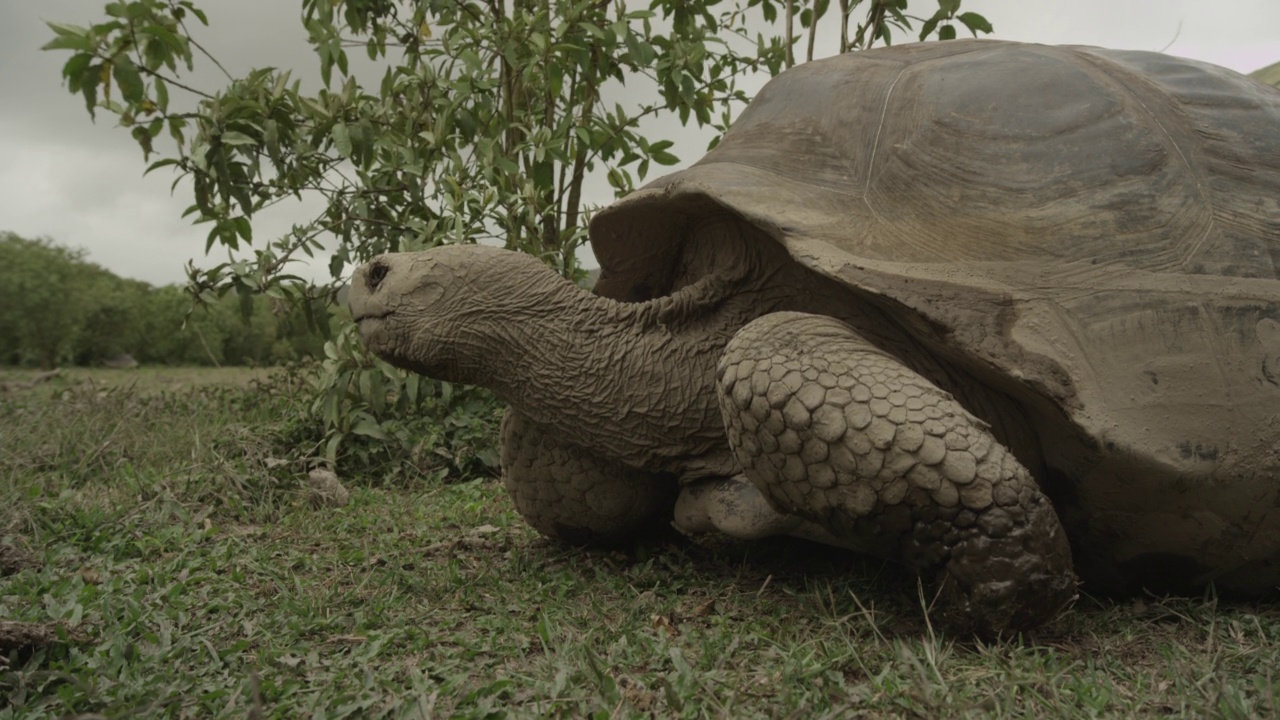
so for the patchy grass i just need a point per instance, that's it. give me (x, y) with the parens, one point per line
(147, 380)
(179, 572)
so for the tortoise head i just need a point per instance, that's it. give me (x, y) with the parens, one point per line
(436, 312)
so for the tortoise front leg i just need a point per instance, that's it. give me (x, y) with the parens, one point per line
(833, 429)
(570, 494)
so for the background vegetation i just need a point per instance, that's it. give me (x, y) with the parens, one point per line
(56, 309)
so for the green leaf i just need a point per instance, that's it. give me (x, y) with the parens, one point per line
(68, 42)
(975, 22)
(947, 32)
(235, 138)
(127, 79)
(341, 139)
(69, 37)
(162, 95)
(369, 427)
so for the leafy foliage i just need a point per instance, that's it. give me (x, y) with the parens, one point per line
(378, 420)
(56, 308)
(488, 121)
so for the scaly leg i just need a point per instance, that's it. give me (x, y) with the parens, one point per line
(830, 428)
(567, 493)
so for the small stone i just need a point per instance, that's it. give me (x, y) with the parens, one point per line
(324, 490)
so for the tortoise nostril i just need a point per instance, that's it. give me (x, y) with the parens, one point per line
(377, 273)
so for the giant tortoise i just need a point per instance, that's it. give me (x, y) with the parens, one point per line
(1003, 313)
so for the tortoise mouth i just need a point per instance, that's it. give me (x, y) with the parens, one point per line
(360, 319)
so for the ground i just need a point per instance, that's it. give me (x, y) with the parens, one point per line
(175, 568)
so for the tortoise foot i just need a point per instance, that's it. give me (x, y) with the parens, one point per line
(832, 429)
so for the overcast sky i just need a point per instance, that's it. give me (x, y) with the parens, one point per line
(81, 184)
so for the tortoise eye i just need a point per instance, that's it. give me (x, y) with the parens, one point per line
(377, 273)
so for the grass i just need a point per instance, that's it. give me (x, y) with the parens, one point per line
(182, 573)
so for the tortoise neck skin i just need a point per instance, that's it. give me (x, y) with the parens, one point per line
(632, 381)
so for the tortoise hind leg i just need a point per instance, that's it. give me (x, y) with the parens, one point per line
(834, 430)
(570, 494)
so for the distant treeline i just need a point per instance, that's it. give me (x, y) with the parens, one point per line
(58, 309)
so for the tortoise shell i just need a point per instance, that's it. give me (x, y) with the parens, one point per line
(1095, 232)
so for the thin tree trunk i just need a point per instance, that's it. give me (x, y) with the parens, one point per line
(791, 11)
(813, 31)
(846, 10)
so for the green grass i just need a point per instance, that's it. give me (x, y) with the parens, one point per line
(177, 540)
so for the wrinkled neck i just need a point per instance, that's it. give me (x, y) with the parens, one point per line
(621, 378)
